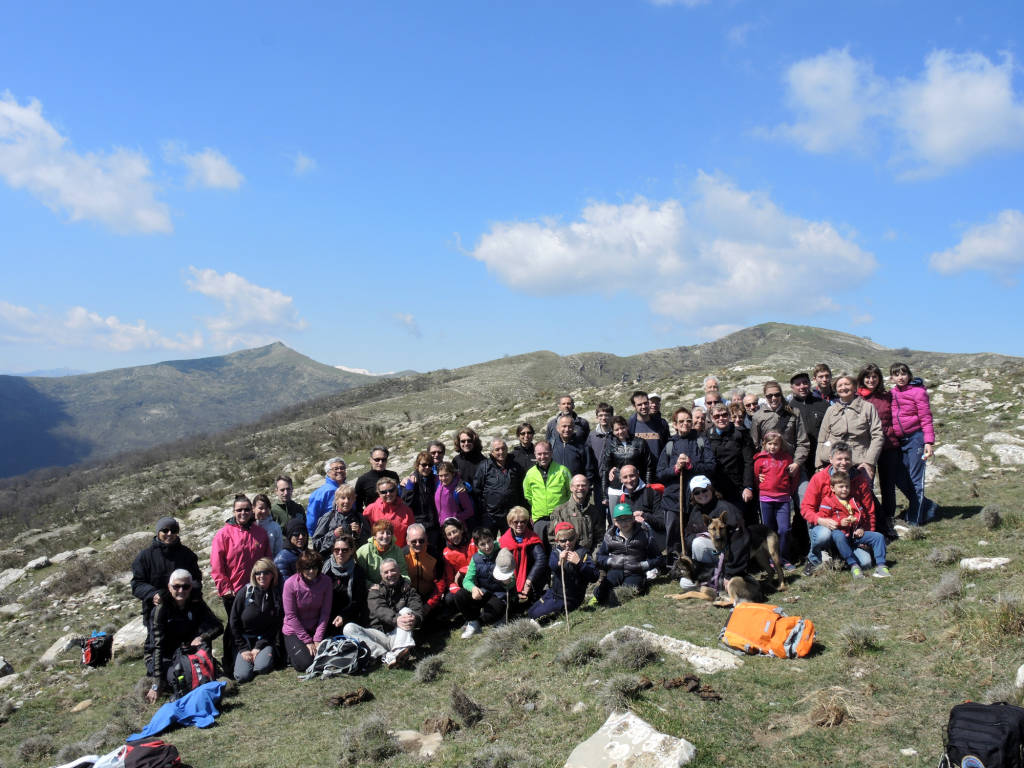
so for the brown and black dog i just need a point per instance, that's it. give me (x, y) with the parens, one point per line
(764, 551)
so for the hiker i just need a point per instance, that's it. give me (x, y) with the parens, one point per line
(458, 551)
(469, 454)
(497, 487)
(628, 553)
(284, 508)
(812, 410)
(449, 500)
(235, 548)
(390, 507)
(580, 426)
(705, 505)
(687, 454)
(778, 415)
(522, 453)
(152, 568)
(418, 493)
(348, 582)
(261, 511)
(775, 489)
(644, 501)
(572, 452)
(912, 422)
(307, 598)
(734, 456)
(257, 616)
(483, 598)
(425, 573)
(572, 569)
(840, 460)
(296, 541)
(181, 618)
(601, 434)
(624, 448)
(342, 519)
(395, 610)
(530, 563)
(647, 425)
(436, 449)
(368, 482)
(587, 518)
(711, 387)
(854, 526)
(854, 421)
(545, 486)
(380, 546)
(321, 501)
(871, 388)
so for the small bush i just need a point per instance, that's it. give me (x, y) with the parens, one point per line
(619, 690)
(510, 639)
(829, 707)
(521, 695)
(992, 516)
(1007, 692)
(949, 589)
(580, 653)
(945, 555)
(856, 640)
(624, 593)
(429, 669)
(36, 748)
(468, 710)
(915, 533)
(632, 651)
(1009, 615)
(367, 742)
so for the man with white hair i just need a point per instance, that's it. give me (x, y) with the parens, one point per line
(497, 487)
(710, 386)
(322, 499)
(395, 611)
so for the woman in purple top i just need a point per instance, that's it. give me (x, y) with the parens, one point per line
(307, 610)
(449, 500)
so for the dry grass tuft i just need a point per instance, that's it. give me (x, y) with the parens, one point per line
(856, 640)
(1004, 692)
(367, 742)
(497, 756)
(829, 707)
(36, 748)
(916, 533)
(467, 710)
(429, 669)
(523, 696)
(949, 589)
(632, 651)
(507, 640)
(992, 516)
(624, 593)
(945, 555)
(619, 690)
(580, 653)
(1009, 615)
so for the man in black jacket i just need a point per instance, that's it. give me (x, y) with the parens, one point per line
(566, 407)
(572, 452)
(395, 610)
(152, 568)
(497, 487)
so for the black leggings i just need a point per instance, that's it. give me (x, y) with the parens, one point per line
(298, 654)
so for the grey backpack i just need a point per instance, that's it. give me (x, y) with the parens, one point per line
(338, 655)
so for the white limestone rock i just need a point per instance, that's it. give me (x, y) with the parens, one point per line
(704, 660)
(9, 576)
(962, 459)
(39, 562)
(416, 743)
(1003, 437)
(983, 563)
(8, 681)
(60, 645)
(1019, 682)
(11, 609)
(63, 557)
(129, 639)
(1012, 455)
(625, 741)
(132, 542)
(86, 551)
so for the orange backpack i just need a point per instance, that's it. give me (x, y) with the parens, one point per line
(758, 628)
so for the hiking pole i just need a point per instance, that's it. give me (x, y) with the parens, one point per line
(682, 544)
(565, 599)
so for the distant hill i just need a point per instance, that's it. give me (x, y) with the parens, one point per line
(60, 421)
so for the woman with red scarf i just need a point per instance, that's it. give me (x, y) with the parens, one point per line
(531, 568)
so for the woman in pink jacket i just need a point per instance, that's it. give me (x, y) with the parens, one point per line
(236, 548)
(912, 425)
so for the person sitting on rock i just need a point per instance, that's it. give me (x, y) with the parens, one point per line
(854, 527)
(627, 553)
(153, 567)
(395, 611)
(572, 569)
(307, 597)
(587, 518)
(531, 567)
(425, 573)
(380, 546)
(181, 619)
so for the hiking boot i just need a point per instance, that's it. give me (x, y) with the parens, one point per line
(394, 659)
(856, 572)
(472, 628)
(810, 569)
(788, 567)
(881, 572)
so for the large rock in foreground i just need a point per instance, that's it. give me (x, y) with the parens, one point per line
(626, 741)
(129, 639)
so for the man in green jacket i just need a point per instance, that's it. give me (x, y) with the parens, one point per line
(546, 485)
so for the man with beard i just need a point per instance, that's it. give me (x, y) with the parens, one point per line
(647, 426)
(284, 508)
(566, 406)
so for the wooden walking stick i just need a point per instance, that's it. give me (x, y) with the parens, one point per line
(565, 599)
(682, 544)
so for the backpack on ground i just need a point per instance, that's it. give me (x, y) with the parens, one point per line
(151, 753)
(96, 649)
(339, 655)
(757, 628)
(191, 668)
(984, 736)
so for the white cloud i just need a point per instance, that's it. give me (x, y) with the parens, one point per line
(996, 246)
(303, 164)
(408, 322)
(253, 315)
(112, 188)
(833, 96)
(748, 255)
(208, 168)
(960, 107)
(80, 327)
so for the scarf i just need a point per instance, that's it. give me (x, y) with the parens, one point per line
(518, 549)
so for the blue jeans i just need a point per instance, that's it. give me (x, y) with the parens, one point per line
(912, 449)
(821, 537)
(852, 556)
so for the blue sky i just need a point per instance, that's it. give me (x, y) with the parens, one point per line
(413, 185)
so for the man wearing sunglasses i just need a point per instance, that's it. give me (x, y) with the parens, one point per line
(153, 567)
(366, 485)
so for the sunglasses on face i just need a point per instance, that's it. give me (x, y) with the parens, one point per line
(261, 573)
(168, 530)
(387, 491)
(417, 541)
(181, 587)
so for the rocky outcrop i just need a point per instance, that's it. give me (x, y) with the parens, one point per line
(626, 740)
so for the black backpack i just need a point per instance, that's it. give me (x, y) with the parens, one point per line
(96, 650)
(984, 736)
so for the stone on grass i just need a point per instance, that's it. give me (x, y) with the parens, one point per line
(8, 681)
(39, 562)
(626, 740)
(983, 563)
(1003, 437)
(63, 557)
(86, 551)
(82, 705)
(132, 541)
(1009, 454)
(5, 667)
(705, 660)
(416, 743)
(9, 576)
(961, 459)
(1019, 682)
(11, 609)
(130, 638)
(60, 645)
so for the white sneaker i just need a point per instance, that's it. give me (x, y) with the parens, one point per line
(472, 628)
(685, 583)
(652, 574)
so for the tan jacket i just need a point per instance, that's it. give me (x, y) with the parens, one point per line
(857, 424)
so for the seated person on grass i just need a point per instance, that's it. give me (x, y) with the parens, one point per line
(627, 553)
(380, 546)
(483, 598)
(572, 568)
(425, 573)
(854, 524)
(530, 560)
(395, 610)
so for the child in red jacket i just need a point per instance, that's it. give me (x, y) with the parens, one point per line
(775, 488)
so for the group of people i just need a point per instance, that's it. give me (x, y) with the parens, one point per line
(481, 538)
